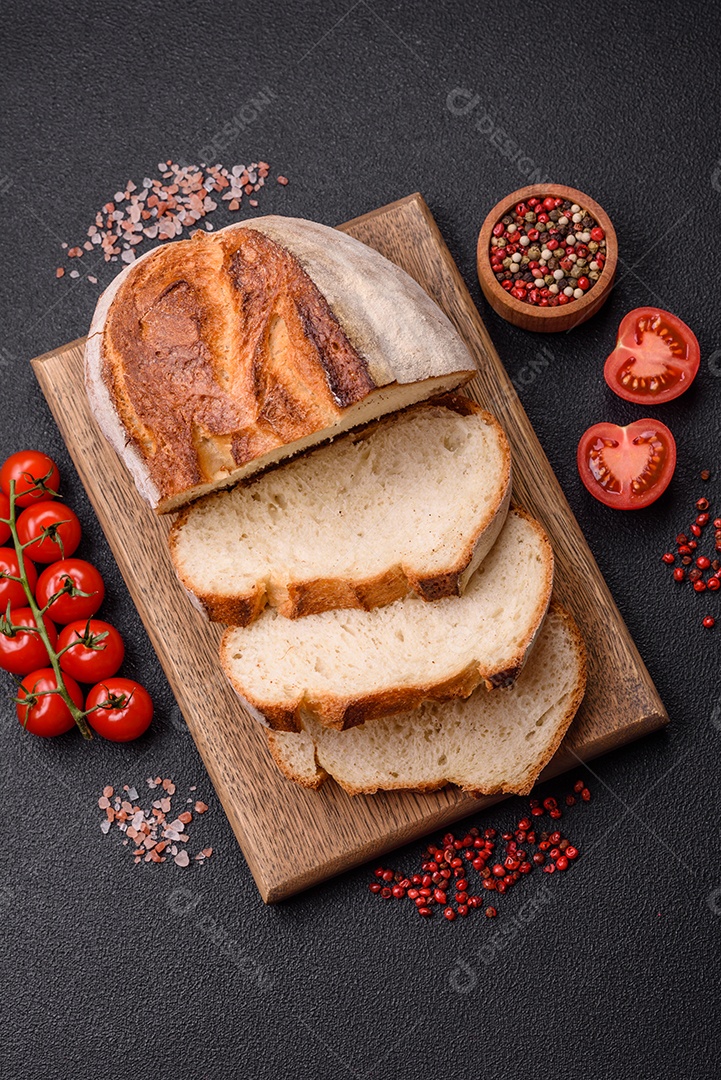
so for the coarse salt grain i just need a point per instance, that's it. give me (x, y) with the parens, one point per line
(162, 208)
(147, 828)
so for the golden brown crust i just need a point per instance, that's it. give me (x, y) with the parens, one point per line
(312, 597)
(342, 713)
(250, 344)
(219, 349)
(311, 784)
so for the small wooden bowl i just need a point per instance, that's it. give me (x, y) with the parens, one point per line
(546, 320)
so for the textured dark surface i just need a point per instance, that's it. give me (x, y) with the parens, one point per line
(111, 972)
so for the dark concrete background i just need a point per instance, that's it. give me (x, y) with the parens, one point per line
(109, 972)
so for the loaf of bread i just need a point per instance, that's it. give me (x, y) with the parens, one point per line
(488, 744)
(411, 503)
(212, 358)
(347, 667)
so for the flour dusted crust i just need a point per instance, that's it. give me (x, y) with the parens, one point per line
(212, 358)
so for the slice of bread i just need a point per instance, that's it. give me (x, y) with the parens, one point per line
(346, 667)
(411, 503)
(487, 745)
(211, 359)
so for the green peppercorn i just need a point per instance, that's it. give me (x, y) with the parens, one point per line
(534, 252)
(592, 247)
(530, 217)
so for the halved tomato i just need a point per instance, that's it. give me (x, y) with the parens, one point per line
(656, 357)
(627, 467)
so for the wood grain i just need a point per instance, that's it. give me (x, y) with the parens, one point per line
(293, 838)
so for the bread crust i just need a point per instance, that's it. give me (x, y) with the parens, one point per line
(351, 326)
(341, 713)
(313, 783)
(314, 596)
(575, 697)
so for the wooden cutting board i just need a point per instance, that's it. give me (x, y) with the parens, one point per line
(294, 838)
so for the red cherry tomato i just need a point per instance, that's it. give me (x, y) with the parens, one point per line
(49, 715)
(12, 592)
(656, 357)
(25, 652)
(4, 513)
(627, 467)
(125, 709)
(89, 660)
(49, 515)
(26, 467)
(84, 577)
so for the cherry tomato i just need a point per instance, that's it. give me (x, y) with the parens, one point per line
(49, 515)
(83, 576)
(25, 468)
(49, 715)
(656, 357)
(12, 592)
(128, 713)
(4, 513)
(627, 467)
(25, 652)
(89, 660)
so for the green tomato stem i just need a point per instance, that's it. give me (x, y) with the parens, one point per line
(77, 714)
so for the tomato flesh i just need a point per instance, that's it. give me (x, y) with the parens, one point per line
(656, 357)
(627, 467)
